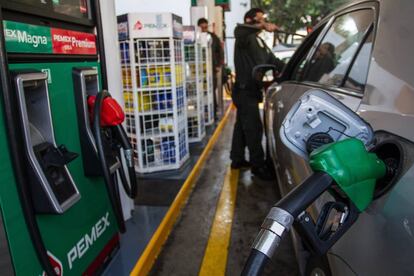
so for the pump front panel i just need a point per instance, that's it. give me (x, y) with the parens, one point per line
(77, 236)
(72, 209)
(12, 213)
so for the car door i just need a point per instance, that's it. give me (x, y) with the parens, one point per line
(350, 34)
(277, 97)
(382, 240)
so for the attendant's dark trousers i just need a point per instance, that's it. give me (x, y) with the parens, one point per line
(248, 130)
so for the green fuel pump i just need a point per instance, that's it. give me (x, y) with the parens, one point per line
(334, 140)
(56, 219)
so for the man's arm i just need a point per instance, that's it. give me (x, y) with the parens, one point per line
(257, 49)
(272, 59)
(262, 54)
(242, 33)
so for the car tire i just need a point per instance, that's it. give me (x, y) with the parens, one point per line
(317, 266)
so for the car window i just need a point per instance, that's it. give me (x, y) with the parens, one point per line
(299, 69)
(330, 62)
(304, 50)
(357, 77)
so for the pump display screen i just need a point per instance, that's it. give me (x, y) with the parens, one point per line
(33, 2)
(75, 8)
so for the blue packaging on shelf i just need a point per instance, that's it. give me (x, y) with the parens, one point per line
(164, 101)
(169, 100)
(124, 47)
(180, 97)
(182, 144)
(143, 77)
(168, 150)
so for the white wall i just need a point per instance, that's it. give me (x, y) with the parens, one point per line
(196, 13)
(113, 69)
(113, 66)
(178, 7)
(232, 18)
(210, 4)
(218, 22)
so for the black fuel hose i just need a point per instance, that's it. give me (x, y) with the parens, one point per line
(280, 219)
(305, 194)
(255, 264)
(116, 187)
(110, 185)
(131, 190)
(124, 180)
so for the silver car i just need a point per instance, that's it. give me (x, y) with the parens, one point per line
(363, 55)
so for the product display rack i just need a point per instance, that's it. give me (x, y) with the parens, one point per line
(155, 102)
(194, 89)
(207, 79)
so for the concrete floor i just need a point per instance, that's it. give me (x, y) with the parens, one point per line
(140, 229)
(184, 250)
(160, 188)
(156, 192)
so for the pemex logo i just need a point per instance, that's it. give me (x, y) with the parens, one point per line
(138, 25)
(56, 263)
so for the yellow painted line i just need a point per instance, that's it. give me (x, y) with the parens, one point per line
(215, 257)
(151, 252)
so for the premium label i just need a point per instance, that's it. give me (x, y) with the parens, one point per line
(71, 42)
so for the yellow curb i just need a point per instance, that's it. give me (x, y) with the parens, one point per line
(154, 247)
(215, 257)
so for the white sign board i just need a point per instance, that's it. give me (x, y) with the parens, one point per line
(150, 25)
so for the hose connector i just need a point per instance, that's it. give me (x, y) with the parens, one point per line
(129, 153)
(276, 224)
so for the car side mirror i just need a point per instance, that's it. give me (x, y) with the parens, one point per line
(265, 74)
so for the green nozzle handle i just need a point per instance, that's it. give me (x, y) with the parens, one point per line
(354, 169)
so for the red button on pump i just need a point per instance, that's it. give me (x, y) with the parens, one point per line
(111, 114)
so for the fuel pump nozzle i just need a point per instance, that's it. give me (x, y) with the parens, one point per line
(334, 140)
(108, 115)
(345, 169)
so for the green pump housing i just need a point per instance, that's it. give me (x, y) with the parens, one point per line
(354, 169)
(81, 237)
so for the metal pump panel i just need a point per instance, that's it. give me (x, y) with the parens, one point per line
(86, 83)
(53, 189)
